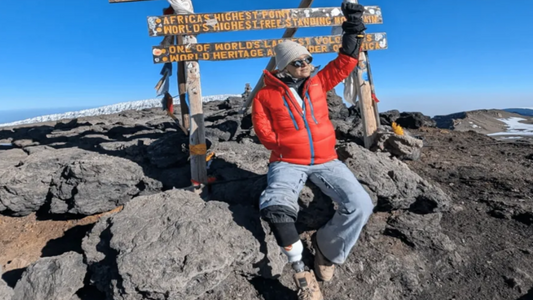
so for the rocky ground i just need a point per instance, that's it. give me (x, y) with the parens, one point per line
(94, 208)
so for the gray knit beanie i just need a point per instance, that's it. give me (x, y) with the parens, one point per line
(288, 51)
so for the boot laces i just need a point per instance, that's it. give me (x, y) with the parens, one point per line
(305, 294)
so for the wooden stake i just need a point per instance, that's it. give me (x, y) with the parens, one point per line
(364, 91)
(371, 80)
(272, 63)
(197, 145)
(182, 88)
(365, 101)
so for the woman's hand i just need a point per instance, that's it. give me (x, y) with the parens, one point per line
(353, 13)
(353, 28)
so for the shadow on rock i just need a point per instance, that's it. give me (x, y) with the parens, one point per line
(11, 277)
(70, 241)
(528, 296)
(272, 289)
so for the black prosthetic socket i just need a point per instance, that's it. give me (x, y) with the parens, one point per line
(285, 233)
(281, 220)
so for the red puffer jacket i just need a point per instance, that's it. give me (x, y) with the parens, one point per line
(295, 135)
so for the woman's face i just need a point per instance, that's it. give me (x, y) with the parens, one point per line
(300, 67)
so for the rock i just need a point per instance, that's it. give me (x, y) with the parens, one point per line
(391, 183)
(115, 179)
(57, 278)
(11, 158)
(401, 146)
(349, 131)
(232, 103)
(415, 120)
(223, 130)
(32, 135)
(171, 245)
(233, 287)
(420, 231)
(72, 180)
(388, 117)
(25, 143)
(337, 109)
(70, 124)
(170, 150)
(239, 170)
(24, 188)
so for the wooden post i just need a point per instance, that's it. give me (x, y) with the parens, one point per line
(371, 80)
(182, 89)
(365, 101)
(364, 91)
(197, 145)
(272, 63)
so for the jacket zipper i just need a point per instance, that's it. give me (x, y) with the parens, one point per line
(309, 134)
(290, 113)
(311, 105)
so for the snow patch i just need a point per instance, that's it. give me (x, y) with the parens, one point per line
(109, 109)
(515, 127)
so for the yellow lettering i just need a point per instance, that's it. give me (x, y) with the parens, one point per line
(248, 25)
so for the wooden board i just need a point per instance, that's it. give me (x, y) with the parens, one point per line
(257, 48)
(192, 24)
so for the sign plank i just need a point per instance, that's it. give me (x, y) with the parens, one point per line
(192, 24)
(257, 48)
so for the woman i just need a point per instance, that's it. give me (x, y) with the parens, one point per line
(290, 117)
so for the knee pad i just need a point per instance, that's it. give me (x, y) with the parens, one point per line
(279, 214)
(294, 251)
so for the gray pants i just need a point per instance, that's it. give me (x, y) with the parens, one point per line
(339, 235)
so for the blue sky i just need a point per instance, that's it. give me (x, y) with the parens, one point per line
(443, 56)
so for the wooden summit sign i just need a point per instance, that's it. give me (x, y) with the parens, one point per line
(192, 24)
(257, 48)
(186, 51)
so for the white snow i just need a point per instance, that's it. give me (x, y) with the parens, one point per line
(515, 127)
(109, 109)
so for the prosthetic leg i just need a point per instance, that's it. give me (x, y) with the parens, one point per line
(291, 245)
(305, 280)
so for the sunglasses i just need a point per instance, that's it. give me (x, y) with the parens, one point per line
(300, 62)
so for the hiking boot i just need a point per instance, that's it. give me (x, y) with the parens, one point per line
(308, 288)
(323, 267)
